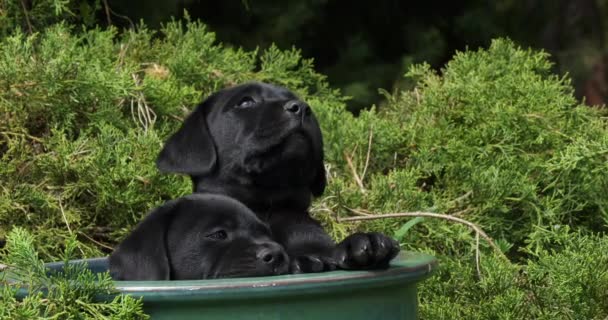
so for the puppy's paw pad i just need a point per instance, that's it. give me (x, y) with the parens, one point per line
(366, 251)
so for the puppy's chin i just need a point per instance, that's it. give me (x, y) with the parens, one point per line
(296, 146)
(294, 151)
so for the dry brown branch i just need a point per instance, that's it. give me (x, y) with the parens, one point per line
(107, 9)
(65, 219)
(477, 257)
(354, 172)
(144, 115)
(95, 241)
(432, 215)
(109, 12)
(122, 52)
(321, 206)
(463, 197)
(461, 212)
(180, 119)
(369, 149)
(360, 212)
(27, 17)
(6, 133)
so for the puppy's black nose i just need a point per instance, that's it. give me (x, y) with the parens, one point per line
(271, 255)
(296, 107)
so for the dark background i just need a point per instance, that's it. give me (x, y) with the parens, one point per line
(365, 45)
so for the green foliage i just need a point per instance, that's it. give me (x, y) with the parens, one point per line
(70, 294)
(529, 154)
(566, 283)
(33, 16)
(495, 139)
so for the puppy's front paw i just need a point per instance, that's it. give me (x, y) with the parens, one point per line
(312, 263)
(366, 251)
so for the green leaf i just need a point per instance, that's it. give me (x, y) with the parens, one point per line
(399, 234)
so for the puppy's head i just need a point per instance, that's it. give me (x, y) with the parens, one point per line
(255, 130)
(200, 236)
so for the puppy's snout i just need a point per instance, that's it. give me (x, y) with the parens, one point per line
(272, 255)
(297, 107)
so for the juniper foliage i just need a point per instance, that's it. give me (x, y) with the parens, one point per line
(70, 294)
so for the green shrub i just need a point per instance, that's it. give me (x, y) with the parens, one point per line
(500, 141)
(33, 16)
(570, 282)
(495, 139)
(70, 294)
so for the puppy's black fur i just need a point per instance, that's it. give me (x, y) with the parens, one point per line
(200, 236)
(260, 144)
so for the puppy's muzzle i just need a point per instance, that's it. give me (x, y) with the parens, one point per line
(297, 108)
(273, 257)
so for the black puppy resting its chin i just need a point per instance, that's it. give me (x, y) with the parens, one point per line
(262, 145)
(199, 236)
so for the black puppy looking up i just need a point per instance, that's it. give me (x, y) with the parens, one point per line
(200, 236)
(260, 144)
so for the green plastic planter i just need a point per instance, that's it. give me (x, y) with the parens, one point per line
(352, 295)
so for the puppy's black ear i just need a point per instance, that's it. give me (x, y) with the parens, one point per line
(191, 150)
(143, 254)
(317, 187)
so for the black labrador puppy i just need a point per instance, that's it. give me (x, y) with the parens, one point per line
(200, 236)
(262, 145)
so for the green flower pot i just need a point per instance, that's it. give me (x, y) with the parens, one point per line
(351, 295)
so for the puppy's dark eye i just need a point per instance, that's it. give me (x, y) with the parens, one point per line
(246, 102)
(218, 235)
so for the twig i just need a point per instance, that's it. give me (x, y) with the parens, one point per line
(459, 213)
(432, 215)
(17, 134)
(477, 258)
(145, 115)
(27, 17)
(180, 119)
(121, 58)
(124, 17)
(462, 197)
(369, 149)
(322, 206)
(354, 172)
(360, 212)
(95, 241)
(107, 9)
(133, 111)
(65, 219)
